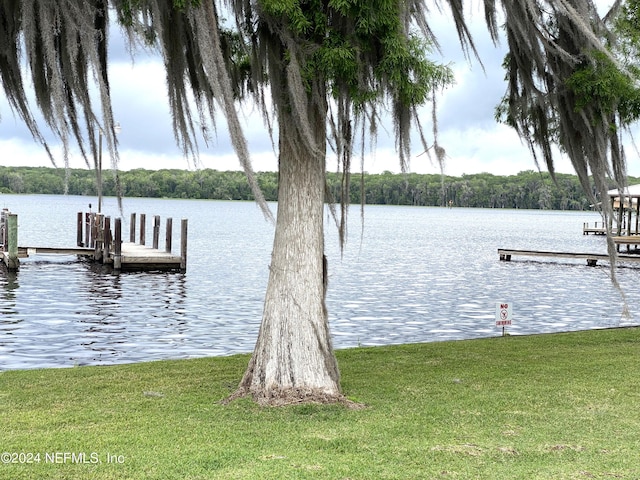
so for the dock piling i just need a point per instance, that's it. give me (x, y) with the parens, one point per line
(183, 245)
(106, 243)
(10, 245)
(3, 229)
(98, 236)
(156, 231)
(132, 228)
(79, 230)
(143, 227)
(87, 232)
(117, 244)
(167, 241)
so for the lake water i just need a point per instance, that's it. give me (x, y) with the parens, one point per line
(417, 274)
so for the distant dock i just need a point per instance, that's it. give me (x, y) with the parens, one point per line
(591, 258)
(597, 229)
(100, 242)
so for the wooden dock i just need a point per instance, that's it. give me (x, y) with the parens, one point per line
(597, 229)
(629, 238)
(631, 241)
(98, 242)
(591, 258)
(94, 231)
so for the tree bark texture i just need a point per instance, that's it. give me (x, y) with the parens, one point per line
(293, 360)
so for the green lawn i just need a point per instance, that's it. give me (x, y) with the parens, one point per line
(562, 406)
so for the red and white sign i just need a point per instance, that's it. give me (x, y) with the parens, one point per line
(504, 313)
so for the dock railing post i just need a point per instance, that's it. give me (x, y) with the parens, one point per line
(94, 231)
(12, 241)
(79, 229)
(99, 236)
(117, 245)
(167, 238)
(620, 218)
(3, 229)
(143, 227)
(87, 230)
(106, 244)
(132, 228)
(156, 231)
(183, 245)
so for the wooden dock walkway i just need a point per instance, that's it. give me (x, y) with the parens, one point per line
(591, 258)
(97, 242)
(132, 256)
(26, 252)
(140, 257)
(628, 240)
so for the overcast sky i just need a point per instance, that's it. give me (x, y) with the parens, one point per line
(474, 142)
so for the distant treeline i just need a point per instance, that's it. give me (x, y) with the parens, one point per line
(528, 189)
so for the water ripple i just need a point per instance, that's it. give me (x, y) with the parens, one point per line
(413, 277)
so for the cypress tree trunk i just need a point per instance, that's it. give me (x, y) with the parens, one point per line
(293, 360)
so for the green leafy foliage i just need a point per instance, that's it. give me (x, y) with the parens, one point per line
(627, 26)
(291, 12)
(600, 82)
(359, 48)
(369, 54)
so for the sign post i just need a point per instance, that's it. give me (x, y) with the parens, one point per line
(504, 314)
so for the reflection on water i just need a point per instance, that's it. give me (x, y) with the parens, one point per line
(8, 285)
(73, 313)
(417, 274)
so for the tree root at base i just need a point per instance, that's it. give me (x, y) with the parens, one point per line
(292, 396)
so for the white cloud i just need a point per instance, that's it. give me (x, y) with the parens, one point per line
(496, 150)
(16, 151)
